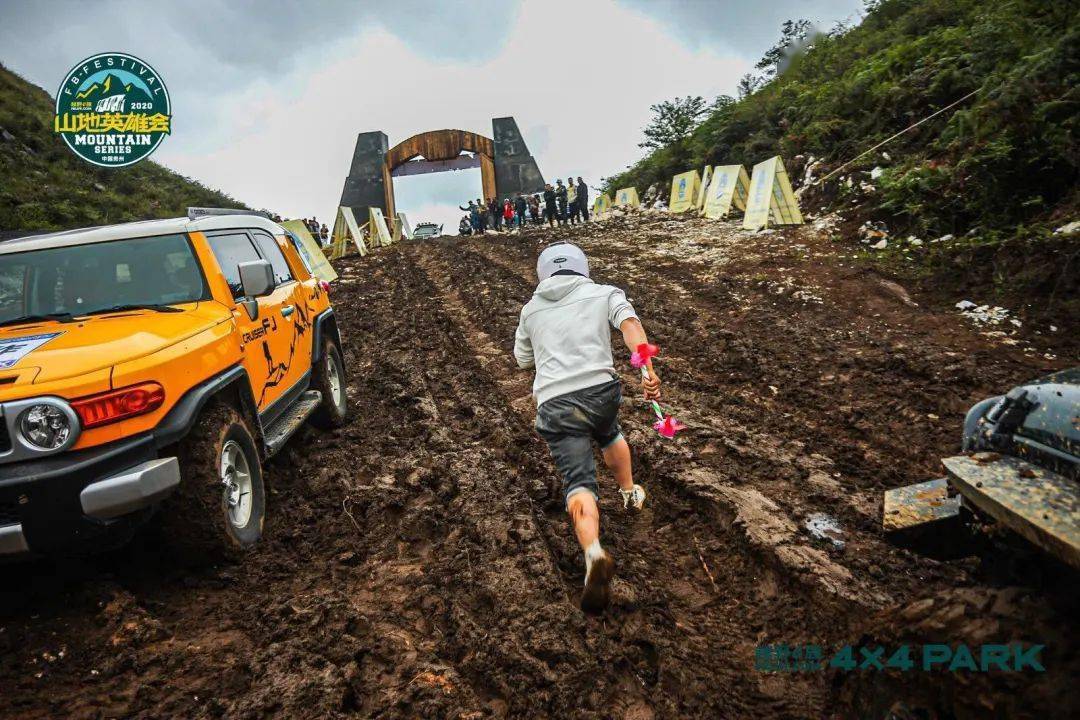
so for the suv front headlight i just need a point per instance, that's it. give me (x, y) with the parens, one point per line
(45, 426)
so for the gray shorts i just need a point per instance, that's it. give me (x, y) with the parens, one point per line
(569, 423)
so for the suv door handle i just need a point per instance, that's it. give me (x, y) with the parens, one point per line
(287, 310)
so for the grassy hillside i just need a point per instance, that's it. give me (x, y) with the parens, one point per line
(44, 186)
(998, 174)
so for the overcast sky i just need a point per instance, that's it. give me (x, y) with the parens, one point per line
(268, 96)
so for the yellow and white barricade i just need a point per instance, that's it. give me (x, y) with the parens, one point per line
(402, 229)
(684, 190)
(627, 197)
(771, 197)
(706, 177)
(602, 205)
(380, 233)
(345, 229)
(313, 255)
(729, 188)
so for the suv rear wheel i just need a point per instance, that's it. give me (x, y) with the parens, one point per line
(220, 506)
(329, 379)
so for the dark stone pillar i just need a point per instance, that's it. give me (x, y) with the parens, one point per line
(366, 185)
(515, 168)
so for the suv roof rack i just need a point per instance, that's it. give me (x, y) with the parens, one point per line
(194, 213)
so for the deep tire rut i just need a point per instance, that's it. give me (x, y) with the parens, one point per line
(660, 553)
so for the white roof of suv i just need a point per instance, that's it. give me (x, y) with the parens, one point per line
(145, 228)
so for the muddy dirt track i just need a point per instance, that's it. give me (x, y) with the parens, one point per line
(418, 563)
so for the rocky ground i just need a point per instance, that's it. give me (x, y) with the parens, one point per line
(418, 562)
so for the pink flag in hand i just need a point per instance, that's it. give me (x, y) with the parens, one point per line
(645, 352)
(668, 427)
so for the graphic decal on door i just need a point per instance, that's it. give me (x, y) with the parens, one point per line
(277, 371)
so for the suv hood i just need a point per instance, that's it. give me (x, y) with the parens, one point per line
(1055, 418)
(102, 341)
(1038, 421)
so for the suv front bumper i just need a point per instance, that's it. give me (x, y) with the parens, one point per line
(64, 501)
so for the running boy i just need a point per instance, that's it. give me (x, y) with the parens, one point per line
(565, 334)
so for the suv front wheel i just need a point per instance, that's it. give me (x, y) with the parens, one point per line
(220, 505)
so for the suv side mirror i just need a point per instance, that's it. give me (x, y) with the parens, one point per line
(256, 280)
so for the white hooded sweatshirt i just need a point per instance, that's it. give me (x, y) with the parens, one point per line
(565, 333)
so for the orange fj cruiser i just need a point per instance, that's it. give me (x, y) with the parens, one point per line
(156, 365)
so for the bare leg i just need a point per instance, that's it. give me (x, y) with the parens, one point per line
(617, 458)
(586, 518)
(599, 567)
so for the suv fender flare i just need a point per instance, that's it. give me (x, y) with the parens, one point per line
(970, 440)
(325, 324)
(185, 413)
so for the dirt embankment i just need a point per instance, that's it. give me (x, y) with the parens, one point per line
(418, 562)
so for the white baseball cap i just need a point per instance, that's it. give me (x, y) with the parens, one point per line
(561, 256)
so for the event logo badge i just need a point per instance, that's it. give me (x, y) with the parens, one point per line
(113, 110)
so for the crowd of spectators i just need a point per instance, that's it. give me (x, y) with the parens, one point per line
(557, 205)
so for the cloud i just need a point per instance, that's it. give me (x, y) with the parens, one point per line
(747, 28)
(440, 190)
(221, 46)
(580, 108)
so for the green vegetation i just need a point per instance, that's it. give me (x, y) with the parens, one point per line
(1008, 156)
(673, 121)
(44, 186)
(998, 173)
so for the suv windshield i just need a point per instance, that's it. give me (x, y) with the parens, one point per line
(81, 279)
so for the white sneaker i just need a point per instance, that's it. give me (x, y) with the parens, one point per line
(599, 569)
(634, 498)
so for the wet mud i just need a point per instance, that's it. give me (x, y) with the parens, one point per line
(418, 561)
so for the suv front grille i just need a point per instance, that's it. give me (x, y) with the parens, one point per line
(5, 439)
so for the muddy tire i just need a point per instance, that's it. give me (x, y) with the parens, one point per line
(219, 509)
(328, 377)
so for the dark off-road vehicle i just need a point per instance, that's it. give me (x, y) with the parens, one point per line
(1020, 469)
(426, 230)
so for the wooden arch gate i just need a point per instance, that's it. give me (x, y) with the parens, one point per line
(440, 151)
(506, 167)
